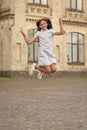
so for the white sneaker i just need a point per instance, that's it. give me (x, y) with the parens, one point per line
(32, 69)
(40, 74)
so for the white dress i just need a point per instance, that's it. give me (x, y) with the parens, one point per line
(46, 55)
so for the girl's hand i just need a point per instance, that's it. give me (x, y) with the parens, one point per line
(21, 30)
(60, 19)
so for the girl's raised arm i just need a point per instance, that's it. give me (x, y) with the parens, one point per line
(61, 28)
(27, 40)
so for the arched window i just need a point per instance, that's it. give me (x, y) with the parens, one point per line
(32, 48)
(75, 48)
(41, 2)
(74, 5)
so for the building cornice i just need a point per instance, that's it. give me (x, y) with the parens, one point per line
(5, 16)
(6, 13)
(77, 23)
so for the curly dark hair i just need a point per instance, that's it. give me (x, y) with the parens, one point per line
(49, 23)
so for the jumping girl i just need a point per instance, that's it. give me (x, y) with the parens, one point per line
(46, 57)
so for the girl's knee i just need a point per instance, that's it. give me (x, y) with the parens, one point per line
(48, 71)
(53, 69)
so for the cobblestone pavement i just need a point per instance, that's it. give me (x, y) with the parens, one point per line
(49, 104)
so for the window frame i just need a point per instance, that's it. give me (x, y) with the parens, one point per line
(76, 8)
(40, 2)
(78, 45)
(33, 46)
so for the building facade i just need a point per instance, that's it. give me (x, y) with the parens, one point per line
(70, 48)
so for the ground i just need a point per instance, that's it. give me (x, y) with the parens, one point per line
(53, 103)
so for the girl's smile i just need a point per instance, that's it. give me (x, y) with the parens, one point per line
(43, 25)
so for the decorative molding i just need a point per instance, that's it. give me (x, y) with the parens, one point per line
(37, 10)
(4, 11)
(31, 19)
(75, 15)
(75, 18)
(74, 23)
(7, 15)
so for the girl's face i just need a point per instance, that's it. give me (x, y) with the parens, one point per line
(43, 25)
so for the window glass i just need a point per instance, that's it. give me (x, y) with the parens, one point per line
(35, 30)
(73, 4)
(30, 33)
(74, 38)
(67, 3)
(75, 48)
(79, 4)
(30, 1)
(74, 53)
(30, 52)
(69, 53)
(37, 1)
(33, 48)
(44, 2)
(81, 39)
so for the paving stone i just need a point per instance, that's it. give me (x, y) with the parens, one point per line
(53, 103)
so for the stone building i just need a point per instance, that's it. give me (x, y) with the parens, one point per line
(70, 48)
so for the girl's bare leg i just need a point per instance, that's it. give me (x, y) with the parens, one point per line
(45, 69)
(53, 68)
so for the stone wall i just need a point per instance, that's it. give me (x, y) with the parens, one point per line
(14, 51)
(5, 5)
